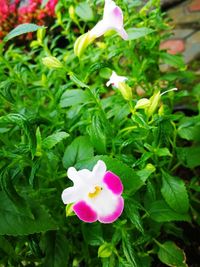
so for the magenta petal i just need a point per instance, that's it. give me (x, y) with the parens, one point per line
(113, 217)
(85, 212)
(118, 13)
(113, 183)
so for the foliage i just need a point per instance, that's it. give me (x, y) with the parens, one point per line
(56, 112)
(15, 12)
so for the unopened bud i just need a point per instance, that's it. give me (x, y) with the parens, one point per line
(105, 250)
(150, 167)
(154, 101)
(161, 110)
(72, 13)
(82, 43)
(125, 90)
(142, 103)
(40, 35)
(52, 62)
(69, 211)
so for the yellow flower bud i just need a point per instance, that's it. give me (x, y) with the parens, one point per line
(82, 43)
(69, 211)
(40, 35)
(154, 101)
(161, 110)
(72, 14)
(52, 62)
(125, 90)
(142, 103)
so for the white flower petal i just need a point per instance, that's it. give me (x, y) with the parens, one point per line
(71, 195)
(104, 204)
(79, 177)
(123, 33)
(99, 29)
(112, 20)
(84, 174)
(72, 173)
(113, 14)
(115, 79)
(99, 171)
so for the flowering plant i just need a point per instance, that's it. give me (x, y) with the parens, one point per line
(94, 123)
(96, 194)
(13, 13)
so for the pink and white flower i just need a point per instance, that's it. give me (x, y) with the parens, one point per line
(112, 20)
(115, 80)
(96, 194)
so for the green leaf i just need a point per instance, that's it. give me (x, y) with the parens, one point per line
(23, 123)
(128, 176)
(21, 29)
(159, 211)
(77, 81)
(163, 152)
(93, 234)
(174, 192)
(190, 133)
(136, 33)
(189, 128)
(84, 11)
(131, 209)
(97, 134)
(189, 156)
(56, 249)
(74, 97)
(173, 60)
(16, 223)
(171, 255)
(128, 249)
(6, 181)
(35, 167)
(6, 246)
(145, 173)
(80, 149)
(50, 141)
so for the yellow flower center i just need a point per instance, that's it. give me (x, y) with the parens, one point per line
(96, 192)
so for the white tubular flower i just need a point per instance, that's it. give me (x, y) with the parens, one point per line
(115, 80)
(112, 20)
(96, 194)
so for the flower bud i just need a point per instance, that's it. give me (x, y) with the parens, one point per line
(72, 13)
(105, 250)
(69, 211)
(52, 62)
(125, 90)
(82, 43)
(154, 101)
(161, 110)
(40, 35)
(142, 103)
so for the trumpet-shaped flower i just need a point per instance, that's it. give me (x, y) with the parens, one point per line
(96, 194)
(112, 20)
(115, 80)
(119, 82)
